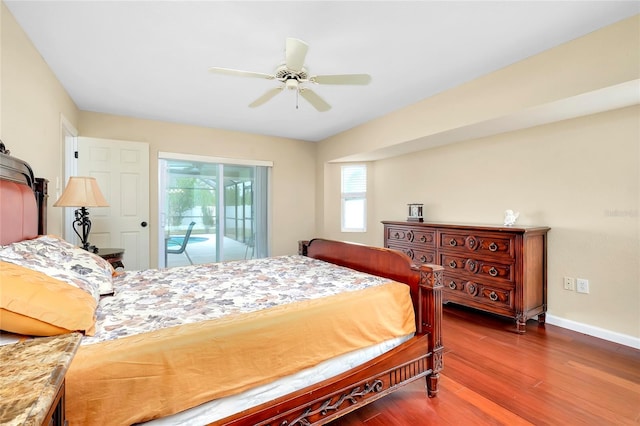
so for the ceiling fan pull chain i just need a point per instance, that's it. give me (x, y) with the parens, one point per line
(297, 92)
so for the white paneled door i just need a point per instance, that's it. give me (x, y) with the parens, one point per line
(122, 171)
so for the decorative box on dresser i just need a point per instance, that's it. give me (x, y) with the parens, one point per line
(498, 269)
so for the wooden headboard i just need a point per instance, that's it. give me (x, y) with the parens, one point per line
(23, 200)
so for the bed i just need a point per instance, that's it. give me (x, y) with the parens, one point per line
(329, 350)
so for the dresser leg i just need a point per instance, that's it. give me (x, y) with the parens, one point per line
(542, 318)
(521, 324)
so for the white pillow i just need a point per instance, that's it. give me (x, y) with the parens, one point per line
(62, 260)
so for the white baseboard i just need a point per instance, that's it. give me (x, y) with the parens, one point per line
(591, 330)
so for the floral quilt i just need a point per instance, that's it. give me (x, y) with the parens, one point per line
(153, 299)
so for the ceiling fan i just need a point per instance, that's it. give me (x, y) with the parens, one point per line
(294, 76)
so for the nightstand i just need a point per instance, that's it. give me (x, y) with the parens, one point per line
(113, 256)
(32, 379)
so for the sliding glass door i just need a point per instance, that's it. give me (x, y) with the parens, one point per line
(211, 211)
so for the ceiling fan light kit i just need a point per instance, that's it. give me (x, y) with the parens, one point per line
(291, 84)
(293, 75)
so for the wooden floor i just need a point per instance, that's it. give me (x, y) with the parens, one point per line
(493, 376)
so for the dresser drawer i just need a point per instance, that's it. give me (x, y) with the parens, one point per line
(488, 244)
(478, 293)
(418, 254)
(482, 268)
(417, 237)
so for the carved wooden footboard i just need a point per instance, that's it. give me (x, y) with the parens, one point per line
(421, 356)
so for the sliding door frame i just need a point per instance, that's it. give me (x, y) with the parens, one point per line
(259, 201)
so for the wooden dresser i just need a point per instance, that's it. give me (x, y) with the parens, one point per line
(498, 269)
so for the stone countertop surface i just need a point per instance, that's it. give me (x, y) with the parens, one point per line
(31, 371)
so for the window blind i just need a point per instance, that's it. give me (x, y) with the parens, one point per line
(354, 179)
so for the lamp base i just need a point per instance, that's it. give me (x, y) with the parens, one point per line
(83, 223)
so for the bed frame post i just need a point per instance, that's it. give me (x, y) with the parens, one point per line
(430, 320)
(42, 194)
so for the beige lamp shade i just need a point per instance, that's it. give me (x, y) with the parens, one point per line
(82, 191)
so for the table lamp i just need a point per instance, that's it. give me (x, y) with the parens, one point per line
(82, 192)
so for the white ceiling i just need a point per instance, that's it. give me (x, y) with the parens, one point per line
(149, 59)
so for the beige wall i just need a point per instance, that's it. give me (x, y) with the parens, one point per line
(33, 101)
(293, 173)
(578, 176)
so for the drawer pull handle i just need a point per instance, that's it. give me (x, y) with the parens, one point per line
(423, 259)
(396, 235)
(472, 289)
(493, 296)
(453, 243)
(452, 264)
(493, 247)
(493, 272)
(452, 285)
(472, 266)
(423, 239)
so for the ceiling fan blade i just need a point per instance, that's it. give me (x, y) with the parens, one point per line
(266, 97)
(240, 73)
(295, 53)
(358, 79)
(315, 100)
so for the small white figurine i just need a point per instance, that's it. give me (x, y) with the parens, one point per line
(510, 217)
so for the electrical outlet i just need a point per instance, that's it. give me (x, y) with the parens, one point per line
(569, 283)
(582, 285)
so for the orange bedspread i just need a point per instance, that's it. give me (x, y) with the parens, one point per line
(173, 369)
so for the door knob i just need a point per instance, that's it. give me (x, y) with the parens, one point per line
(143, 224)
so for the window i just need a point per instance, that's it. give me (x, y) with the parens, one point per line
(354, 198)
